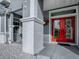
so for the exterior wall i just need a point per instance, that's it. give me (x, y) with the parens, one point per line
(46, 38)
(46, 28)
(52, 4)
(46, 34)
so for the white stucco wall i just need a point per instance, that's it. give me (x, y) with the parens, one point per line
(52, 4)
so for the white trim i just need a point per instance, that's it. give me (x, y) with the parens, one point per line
(27, 19)
(68, 15)
(77, 21)
(74, 14)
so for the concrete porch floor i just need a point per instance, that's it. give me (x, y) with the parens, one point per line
(13, 51)
(60, 51)
(51, 51)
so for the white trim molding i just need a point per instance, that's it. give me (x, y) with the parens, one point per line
(27, 19)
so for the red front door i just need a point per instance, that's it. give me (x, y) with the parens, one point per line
(63, 29)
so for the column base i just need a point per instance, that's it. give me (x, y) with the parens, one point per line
(32, 35)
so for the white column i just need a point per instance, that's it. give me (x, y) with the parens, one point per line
(6, 40)
(2, 33)
(32, 29)
(11, 28)
(77, 26)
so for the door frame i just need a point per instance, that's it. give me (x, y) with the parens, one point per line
(67, 15)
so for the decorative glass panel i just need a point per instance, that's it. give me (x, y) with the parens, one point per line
(68, 29)
(56, 28)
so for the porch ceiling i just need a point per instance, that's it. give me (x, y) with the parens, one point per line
(19, 12)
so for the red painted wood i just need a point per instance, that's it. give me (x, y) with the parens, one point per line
(62, 34)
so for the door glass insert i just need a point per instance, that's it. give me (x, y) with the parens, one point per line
(68, 28)
(56, 28)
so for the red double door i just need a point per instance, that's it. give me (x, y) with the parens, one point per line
(63, 29)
